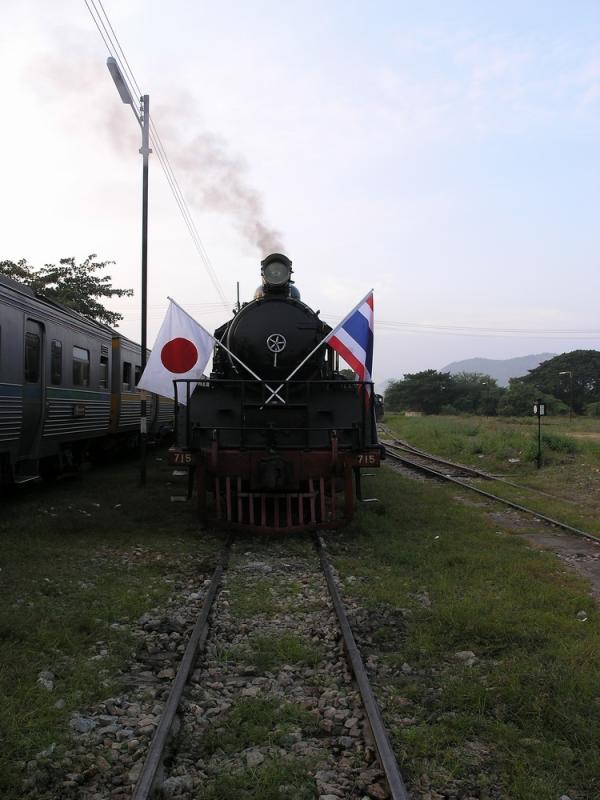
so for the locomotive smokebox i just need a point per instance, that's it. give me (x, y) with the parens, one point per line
(274, 333)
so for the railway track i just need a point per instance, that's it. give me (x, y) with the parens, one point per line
(473, 472)
(364, 736)
(454, 473)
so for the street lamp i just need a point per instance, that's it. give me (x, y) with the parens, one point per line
(569, 372)
(143, 117)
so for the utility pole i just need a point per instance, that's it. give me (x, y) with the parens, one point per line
(143, 118)
(569, 372)
(145, 151)
(539, 409)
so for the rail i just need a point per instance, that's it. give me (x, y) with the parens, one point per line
(525, 509)
(477, 473)
(146, 782)
(384, 748)
(196, 642)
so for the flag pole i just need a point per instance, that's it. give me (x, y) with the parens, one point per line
(314, 350)
(227, 350)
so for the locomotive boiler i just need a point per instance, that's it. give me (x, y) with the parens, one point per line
(276, 436)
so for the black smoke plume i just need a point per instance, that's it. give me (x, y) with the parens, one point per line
(211, 178)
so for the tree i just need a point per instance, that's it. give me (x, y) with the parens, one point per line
(425, 391)
(71, 284)
(584, 369)
(475, 393)
(518, 400)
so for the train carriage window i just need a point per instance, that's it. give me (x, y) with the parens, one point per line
(56, 362)
(126, 375)
(32, 357)
(138, 374)
(103, 380)
(81, 367)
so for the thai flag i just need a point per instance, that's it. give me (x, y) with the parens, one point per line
(353, 339)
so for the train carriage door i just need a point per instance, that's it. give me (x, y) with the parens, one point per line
(33, 397)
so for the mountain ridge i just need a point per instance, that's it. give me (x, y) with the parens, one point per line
(502, 369)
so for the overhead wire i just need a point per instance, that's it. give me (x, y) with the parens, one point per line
(478, 330)
(115, 49)
(529, 335)
(407, 328)
(447, 330)
(163, 156)
(160, 149)
(482, 329)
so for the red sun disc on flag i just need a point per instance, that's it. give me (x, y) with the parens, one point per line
(179, 355)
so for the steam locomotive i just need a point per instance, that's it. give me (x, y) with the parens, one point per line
(268, 453)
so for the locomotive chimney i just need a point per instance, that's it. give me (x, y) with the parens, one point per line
(276, 271)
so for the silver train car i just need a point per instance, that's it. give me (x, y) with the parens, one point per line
(67, 388)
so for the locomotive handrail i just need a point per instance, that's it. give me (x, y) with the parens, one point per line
(289, 446)
(243, 384)
(332, 381)
(273, 428)
(252, 394)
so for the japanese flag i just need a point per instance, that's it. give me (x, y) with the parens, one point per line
(181, 350)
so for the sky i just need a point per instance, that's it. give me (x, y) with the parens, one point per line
(443, 153)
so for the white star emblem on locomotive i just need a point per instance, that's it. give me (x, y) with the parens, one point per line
(276, 343)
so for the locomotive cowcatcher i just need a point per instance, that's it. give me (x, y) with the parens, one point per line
(271, 454)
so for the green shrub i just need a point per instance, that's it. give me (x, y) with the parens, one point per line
(560, 444)
(472, 430)
(553, 446)
(449, 410)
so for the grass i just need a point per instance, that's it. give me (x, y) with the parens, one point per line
(79, 561)
(250, 596)
(269, 595)
(267, 652)
(522, 722)
(489, 442)
(525, 718)
(505, 446)
(255, 722)
(276, 779)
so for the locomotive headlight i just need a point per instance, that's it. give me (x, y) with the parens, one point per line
(276, 273)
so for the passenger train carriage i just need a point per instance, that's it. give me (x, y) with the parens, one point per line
(67, 387)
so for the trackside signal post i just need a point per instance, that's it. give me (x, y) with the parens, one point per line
(539, 409)
(143, 117)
